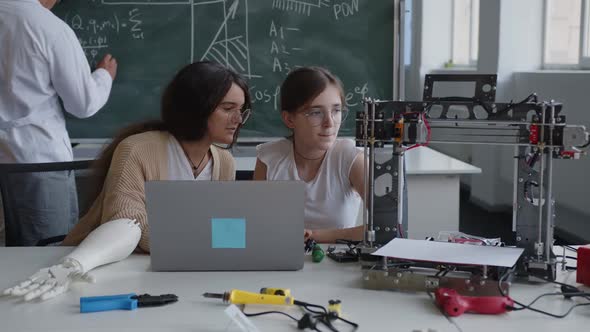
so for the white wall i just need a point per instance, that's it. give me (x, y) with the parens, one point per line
(436, 36)
(517, 32)
(510, 44)
(412, 74)
(432, 36)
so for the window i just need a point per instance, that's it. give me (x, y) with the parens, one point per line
(567, 34)
(465, 33)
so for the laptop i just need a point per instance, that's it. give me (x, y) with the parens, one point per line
(225, 225)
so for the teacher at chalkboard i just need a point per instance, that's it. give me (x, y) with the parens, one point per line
(41, 61)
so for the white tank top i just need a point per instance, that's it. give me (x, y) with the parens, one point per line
(331, 201)
(179, 167)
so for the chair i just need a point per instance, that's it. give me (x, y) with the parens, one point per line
(11, 175)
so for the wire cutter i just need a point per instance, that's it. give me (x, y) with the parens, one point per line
(124, 302)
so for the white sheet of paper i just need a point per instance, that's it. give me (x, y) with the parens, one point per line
(446, 252)
(241, 320)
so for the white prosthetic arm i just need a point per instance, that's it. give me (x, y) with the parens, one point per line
(110, 242)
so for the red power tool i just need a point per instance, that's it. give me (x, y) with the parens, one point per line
(583, 271)
(455, 304)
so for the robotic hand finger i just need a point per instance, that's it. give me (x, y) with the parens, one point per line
(110, 242)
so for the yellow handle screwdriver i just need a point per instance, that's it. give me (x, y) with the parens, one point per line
(236, 296)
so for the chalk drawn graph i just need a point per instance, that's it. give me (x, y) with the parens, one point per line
(227, 47)
(299, 6)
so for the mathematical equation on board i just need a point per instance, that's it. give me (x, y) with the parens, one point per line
(231, 43)
(281, 49)
(285, 49)
(95, 33)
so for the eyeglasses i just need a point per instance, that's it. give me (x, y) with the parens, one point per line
(240, 116)
(316, 115)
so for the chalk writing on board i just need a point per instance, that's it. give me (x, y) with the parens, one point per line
(262, 40)
(280, 48)
(228, 46)
(345, 9)
(303, 7)
(146, 2)
(352, 96)
(98, 31)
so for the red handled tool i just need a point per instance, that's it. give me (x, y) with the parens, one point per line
(455, 304)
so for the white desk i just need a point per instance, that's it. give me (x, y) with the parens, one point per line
(527, 320)
(433, 185)
(316, 283)
(433, 191)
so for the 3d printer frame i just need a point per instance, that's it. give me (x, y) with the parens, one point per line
(539, 134)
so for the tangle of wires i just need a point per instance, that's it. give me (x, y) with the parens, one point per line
(315, 316)
(531, 98)
(567, 291)
(351, 254)
(443, 271)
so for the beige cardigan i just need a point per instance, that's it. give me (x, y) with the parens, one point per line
(137, 159)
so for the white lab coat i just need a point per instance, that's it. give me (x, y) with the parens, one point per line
(41, 59)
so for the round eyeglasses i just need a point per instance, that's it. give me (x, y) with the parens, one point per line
(240, 116)
(316, 115)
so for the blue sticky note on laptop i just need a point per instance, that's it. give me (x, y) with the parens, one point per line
(228, 233)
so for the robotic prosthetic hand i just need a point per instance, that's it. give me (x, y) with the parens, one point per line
(110, 242)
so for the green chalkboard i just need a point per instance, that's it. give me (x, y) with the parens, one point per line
(262, 39)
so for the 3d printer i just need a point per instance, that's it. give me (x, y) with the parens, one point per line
(539, 134)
